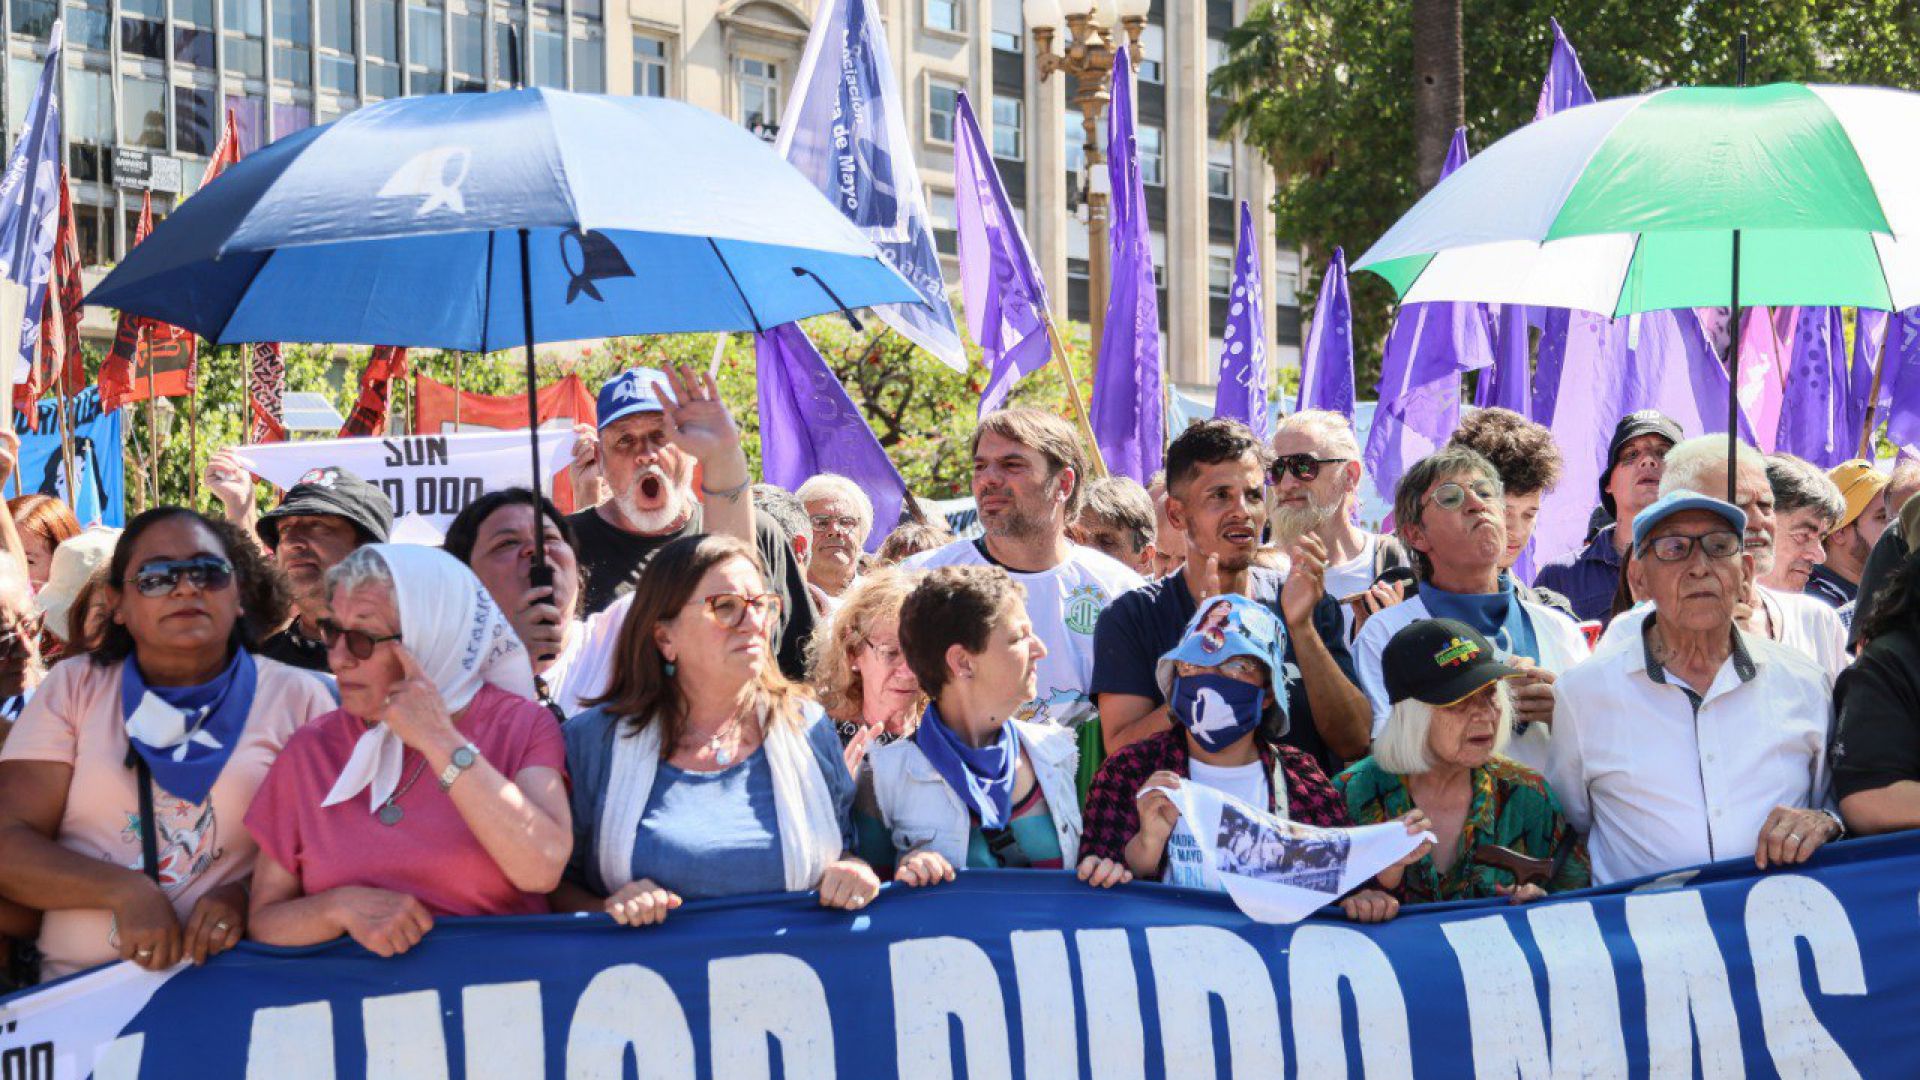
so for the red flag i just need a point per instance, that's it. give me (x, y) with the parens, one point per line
(388, 365)
(267, 421)
(147, 355)
(60, 353)
(226, 153)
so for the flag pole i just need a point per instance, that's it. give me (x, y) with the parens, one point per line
(62, 403)
(246, 393)
(459, 360)
(1733, 354)
(1073, 395)
(193, 437)
(153, 415)
(1873, 399)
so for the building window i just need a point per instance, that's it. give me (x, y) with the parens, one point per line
(943, 104)
(1153, 54)
(1158, 242)
(1009, 26)
(549, 58)
(469, 52)
(1219, 271)
(143, 111)
(759, 85)
(940, 212)
(1286, 287)
(589, 65)
(1219, 169)
(87, 29)
(650, 66)
(1152, 164)
(1009, 132)
(944, 15)
(195, 124)
(1216, 56)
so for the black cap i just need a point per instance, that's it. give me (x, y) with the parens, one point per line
(336, 491)
(1632, 426)
(1439, 661)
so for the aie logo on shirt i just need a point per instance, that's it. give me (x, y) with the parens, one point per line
(1083, 608)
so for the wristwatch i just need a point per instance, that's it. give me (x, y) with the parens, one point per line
(462, 760)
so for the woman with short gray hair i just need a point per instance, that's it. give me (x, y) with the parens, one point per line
(1500, 830)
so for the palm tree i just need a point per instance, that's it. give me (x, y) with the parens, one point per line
(1439, 86)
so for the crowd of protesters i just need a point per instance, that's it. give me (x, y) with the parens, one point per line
(284, 727)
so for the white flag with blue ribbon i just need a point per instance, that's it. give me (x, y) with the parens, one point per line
(845, 129)
(30, 203)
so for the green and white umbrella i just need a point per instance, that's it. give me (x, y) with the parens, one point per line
(1633, 204)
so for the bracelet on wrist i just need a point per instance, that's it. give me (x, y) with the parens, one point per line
(726, 493)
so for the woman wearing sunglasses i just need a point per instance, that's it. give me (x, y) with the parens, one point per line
(437, 788)
(126, 779)
(703, 772)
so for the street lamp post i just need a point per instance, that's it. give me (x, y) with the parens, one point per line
(1087, 54)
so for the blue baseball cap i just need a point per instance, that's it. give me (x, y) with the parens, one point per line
(1679, 502)
(1225, 627)
(635, 390)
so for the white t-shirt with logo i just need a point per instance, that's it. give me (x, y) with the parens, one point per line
(1063, 603)
(1352, 577)
(1185, 864)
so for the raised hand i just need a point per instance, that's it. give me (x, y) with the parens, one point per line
(414, 710)
(1306, 582)
(230, 482)
(697, 420)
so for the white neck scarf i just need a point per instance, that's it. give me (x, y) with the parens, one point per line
(462, 641)
(803, 806)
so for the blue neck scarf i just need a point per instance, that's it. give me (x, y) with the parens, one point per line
(1498, 615)
(186, 733)
(983, 777)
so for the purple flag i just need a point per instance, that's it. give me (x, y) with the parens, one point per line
(809, 426)
(1869, 337)
(1813, 414)
(1005, 298)
(1326, 366)
(1242, 393)
(1900, 381)
(1128, 408)
(1565, 88)
(1505, 384)
(1566, 85)
(1419, 392)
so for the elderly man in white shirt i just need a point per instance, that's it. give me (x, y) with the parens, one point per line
(1450, 511)
(1794, 619)
(1690, 740)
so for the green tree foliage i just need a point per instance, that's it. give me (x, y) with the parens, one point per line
(1324, 89)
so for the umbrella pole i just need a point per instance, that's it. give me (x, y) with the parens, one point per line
(1733, 377)
(1873, 399)
(540, 574)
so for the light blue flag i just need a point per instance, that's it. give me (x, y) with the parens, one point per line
(1128, 410)
(30, 202)
(1242, 392)
(845, 130)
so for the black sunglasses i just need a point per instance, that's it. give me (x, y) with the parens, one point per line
(359, 643)
(206, 573)
(1304, 467)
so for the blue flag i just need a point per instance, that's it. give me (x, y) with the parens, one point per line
(809, 426)
(1005, 297)
(1326, 365)
(1242, 393)
(30, 202)
(97, 495)
(845, 130)
(1129, 411)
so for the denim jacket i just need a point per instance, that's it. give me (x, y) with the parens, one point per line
(921, 812)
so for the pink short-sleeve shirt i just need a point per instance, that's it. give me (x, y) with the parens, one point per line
(74, 718)
(430, 854)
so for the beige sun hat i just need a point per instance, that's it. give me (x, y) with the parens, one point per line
(74, 561)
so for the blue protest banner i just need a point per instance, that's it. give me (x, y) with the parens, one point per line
(1809, 973)
(99, 470)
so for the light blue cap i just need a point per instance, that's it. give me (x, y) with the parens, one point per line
(1679, 502)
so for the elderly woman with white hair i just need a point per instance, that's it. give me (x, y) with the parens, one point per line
(842, 518)
(1440, 754)
(437, 788)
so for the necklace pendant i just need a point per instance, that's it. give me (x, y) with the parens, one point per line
(390, 814)
(723, 756)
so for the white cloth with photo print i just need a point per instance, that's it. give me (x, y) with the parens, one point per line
(1280, 871)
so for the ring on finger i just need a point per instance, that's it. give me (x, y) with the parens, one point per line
(143, 954)
(1794, 836)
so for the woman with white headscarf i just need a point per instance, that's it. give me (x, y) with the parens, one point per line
(437, 788)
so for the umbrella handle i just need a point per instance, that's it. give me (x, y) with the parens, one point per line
(846, 312)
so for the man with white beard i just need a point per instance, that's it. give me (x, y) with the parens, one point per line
(654, 431)
(1312, 488)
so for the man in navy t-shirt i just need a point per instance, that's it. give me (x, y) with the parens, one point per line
(1216, 488)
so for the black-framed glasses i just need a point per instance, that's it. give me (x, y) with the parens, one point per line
(360, 644)
(207, 573)
(1721, 544)
(1451, 495)
(730, 609)
(16, 636)
(1304, 467)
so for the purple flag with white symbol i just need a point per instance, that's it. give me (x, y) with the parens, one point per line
(809, 426)
(1128, 408)
(1326, 365)
(1419, 391)
(1006, 300)
(1813, 416)
(30, 205)
(1242, 393)
(845, 129)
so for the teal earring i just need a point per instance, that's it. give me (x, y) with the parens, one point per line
(671, 667)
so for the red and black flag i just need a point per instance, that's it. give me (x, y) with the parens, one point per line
(60, 353)
(149, 358)
(388, 366)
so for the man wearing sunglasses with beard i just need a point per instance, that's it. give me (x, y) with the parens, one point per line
(1450, 509)
(1312, 489)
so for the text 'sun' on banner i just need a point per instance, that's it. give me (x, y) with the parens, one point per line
(1720, 972)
